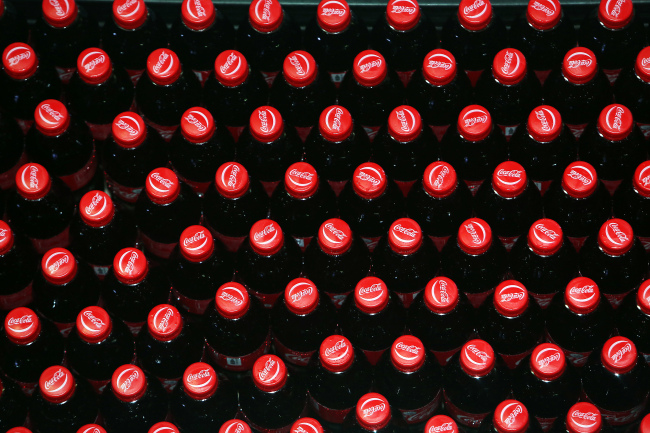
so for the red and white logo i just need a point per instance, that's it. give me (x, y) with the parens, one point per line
(372, 292)
(263, 10)
(438, 175)
(615, 235)
(544, 115)
(129, 124)
(300, 63)
(90, 322)
(511, 293)
(544, 234)
(127, 262)
(614, 7)
(270, 371)
(92, 60)
(618, 350)
(441, 424)
(585, 420)
(127, 378)
(196, 9)
(301, 289)
(93, 209)
(511, 62)
(339, 350)
(18, 54)
(50, 115)
(164, 64)
(306, 425)
(333, 118)
(233, 295)
(479, 236)
(160, 183)
(92, 429)
(197, 241)
(405, 234)
(31, 182)
(332, 234)
(232, 64)
(267, 235)
(333, 8)
(371, 61)
(234, 426)
(579, 59)
(440, 61)
(197, 119)
(127, 9)
(475, 116)
(476, 356)
(61, 8)
(370, 175)
(613, 118)
(549, 9)
(56, 260)
(264, 120)
(476, 10)
(582, 174)
(510, 413)
(57, 382)
(408, 7)
(548, 356)
(21, 323)
(372, 408)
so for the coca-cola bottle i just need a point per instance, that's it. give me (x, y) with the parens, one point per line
(544, 147)
(235, 425)
(475, 148)
(632, 318)
(300, 321)
(64, 286)
(579, 321)
(64, 402)
(12, 155)
(134, 402)
(168, 207)
(13, 24)
(201, 145)
(631, 90)
(475, 382)
(165, 92)
(582, 417)
(271, 400)
(547, 384)
(544, 261)
(631, 202)
(474, 35)
(579, 90)
(309, 423)
(474, 261)
(13, 405)
(268, 261)
(373, 318)
(338, 376)
(233, 204)
(98, 345)
(510, 416)
(370, 203)
(372, 414)
(18, 266)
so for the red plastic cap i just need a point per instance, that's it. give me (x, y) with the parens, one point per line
(615, 122)
(579, 179)
(164, 427)
(544, 123)
(299, 69)
(642, 65)
(235, 426)
(301, 180)
(59, 13)
(474, 122)
(642, 179)
(22, 326)
(509, 179)
(26, 430)
(371, 295)
(643, 297)
(373, 411)
(545, 237)
(232, 300)
(130, 266)
(96, 208)
(51, 117)
(56, 384)
(129, 14)
(403, 15)
(547, 361)
(163, 66)
(94, 66)
(93, 324)
(196, 243)
(197, 125)
(6, 237)
(231, 68)
(583, 417)
(265, 15)
(477, 358)
(91, 428)
(582, 295)
(510, 298)
(544, 14)
(19, 61)
(441, 424)
(266, 124)
(616, 237)
(269, 373)
(474, 236)
(336, 353)
(307, 425)
(619, 355)
(162, 186)
(164, 322)
(509, 66)
(301, 296)
(333, 15)
(232, 180)
(407, 353)
(335, 236)
(645, 424)
(615, 14)
(369, 180)
(475, 15)
(266, 237)
(369, 68)
(129, 130)
(579, 65)
(200, 381)
(58, 266)
(198, 14)
(439, 67)
(441, 295)
(511, 416)
(128, 383)
(404, 236)
(439, 179)
(404, 123)
(335, 123)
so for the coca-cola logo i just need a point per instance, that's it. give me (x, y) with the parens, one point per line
(512, 293)
(439, 292)
(643, 179)
(619, 238)
(17, 324)
(515, 174)
(305, 427)
(330, 228)
(96, 58)
(264, 233)
(476, 356)
(541, 116)
(374, 177)
(645, 62)
(297, 60)
(338, 9)
(370, 407)
(230, 61)
(547, 356)
(336, 348)
(266, 10)
(478, 9)
(95, 201)
(195, 9)
(128, 124)
(3, 234)
(264, 124)
(440, 172)
(471, 230)
(583, 294)
(56, 260)
(235, 427)
(129, 269)
(616, 355)
(409, 7)
(474, 117)
(404, 121)
(296, 175)
(585, 416)
(406, 231)
(92, 429)
(617, 113)
(59, 9)
(233, 295)
(32, 182)
(300, 290)
(440, 61)
(550, 234)
(334, 123)
(194, 239)
(579, 59)
(163, 58)
(369, 62)
(17, 55)
(376, 288)
(270, 371)
(202, 124)
(414, 350)
(205, 376)
(509, 416)
(162, 181)
(126, 379)
(508, 57)
(444, 427)
(161, 319)
(581, 174)
(616, 8)
(54, 380)
(94, 320)
(53, 116)
(548, 11)
(128, 4)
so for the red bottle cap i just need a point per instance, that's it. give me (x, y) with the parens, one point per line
(301, 180)
(25, 430)
(645, 424)
(232, 180)
(582, 295)
(130, 266)
(231, 68)
(164, 322)
(477, 358)
(643, 297)
(266, 124)
(301, 296)
(266, 237)
(509, 66)
(405, 236)
(407, 353)
(619, 355)
(544, 122)
(544, 14)
(198, 14)
(93, 324)
(235, 426)
(403, 15)
(510, 416)
(56, 384)
(441, 295)
(51, 118)
(91, 428)
(200, 381)
(439, 179)
(232, 300)
(96, 208)
(641, 67)
(299, 69)
(615, 14)
(129, 130)
(269, 373)
(94, 66)
(441, 424)
(335, 123)
(163, 66)
(335, 236)
(164, 427)
(196, 243)
(369, 68)
(128, 383)
(59, 13)
(369, 180)
(474, 236)
(333, 15)
(162, 186)
(583, 417)
(474, 15)
(474, 122)
(22, 326)
(59, 266)
(373, 411)
(6, 238)
(579, 65)
(616, 237)
(642, 179)
(265, 15)
(545, 237)
(19, 60)
(615, 122)
(509, 179)
(404, 122)
(547, 361)
(579, 179)
(129, 14)
(197, 125)
(336, 353)
(439, 67)
(510, 298)
(308, 425)
(371, 295)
